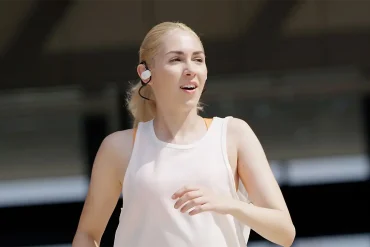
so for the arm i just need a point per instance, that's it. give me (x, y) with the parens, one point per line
(105, 188)
(268, 215)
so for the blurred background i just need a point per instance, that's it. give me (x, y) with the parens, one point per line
(297, 71)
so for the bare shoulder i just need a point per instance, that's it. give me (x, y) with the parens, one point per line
(246, 142)
(117, 148)
(238, 124)
(238, 130)
(119, 141)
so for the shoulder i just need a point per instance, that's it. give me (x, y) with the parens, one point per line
(119, 139)
(240, 131)
(116, 149)
(119, 142)
(238, 126)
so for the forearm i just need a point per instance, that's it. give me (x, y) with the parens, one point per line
(273, 225)
(84, 240)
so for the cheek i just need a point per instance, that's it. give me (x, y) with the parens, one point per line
(173, 72)
(168, 77)
(163, 84)
(203, 76)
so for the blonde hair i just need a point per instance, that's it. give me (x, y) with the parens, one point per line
(143, 110)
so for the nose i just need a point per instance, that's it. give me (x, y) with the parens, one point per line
(189, 70)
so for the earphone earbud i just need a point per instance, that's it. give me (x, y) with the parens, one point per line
(146, 75)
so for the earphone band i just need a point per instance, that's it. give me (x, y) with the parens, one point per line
(146, 70)
(142, 96)
(143, 84)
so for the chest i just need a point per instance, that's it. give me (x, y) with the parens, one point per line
(165, 171)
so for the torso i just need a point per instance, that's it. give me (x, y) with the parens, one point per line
(128, 137)
(149, 186)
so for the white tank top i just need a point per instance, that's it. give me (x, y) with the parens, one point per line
(156, 171)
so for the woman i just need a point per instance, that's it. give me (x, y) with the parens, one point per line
(179, 173)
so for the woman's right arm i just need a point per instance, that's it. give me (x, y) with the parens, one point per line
(105, 188)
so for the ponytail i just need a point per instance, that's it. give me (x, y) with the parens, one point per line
(142, 110)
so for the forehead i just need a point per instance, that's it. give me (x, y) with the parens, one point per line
(180, 40)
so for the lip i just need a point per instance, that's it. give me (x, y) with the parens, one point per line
(189, 91)
(193, 83)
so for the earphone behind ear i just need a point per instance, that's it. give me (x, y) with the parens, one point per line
(146, 75)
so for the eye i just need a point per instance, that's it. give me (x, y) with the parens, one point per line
(199, 60)
(176, 59)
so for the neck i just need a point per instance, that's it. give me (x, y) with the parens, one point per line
(179, 127)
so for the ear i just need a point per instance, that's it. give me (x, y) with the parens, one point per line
(140, 70)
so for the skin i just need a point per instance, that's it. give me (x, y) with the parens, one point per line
(177, 121)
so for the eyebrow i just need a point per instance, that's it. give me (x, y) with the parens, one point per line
(182, 53)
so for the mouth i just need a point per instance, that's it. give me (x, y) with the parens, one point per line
(189, 88)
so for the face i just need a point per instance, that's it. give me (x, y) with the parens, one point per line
(179, 72)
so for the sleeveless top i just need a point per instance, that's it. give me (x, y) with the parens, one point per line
(156, 171)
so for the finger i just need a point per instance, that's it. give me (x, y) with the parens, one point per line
(193, 203)
(186, 197)
(183, 190)
(200, 208)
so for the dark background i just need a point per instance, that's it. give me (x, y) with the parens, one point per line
(297, 71)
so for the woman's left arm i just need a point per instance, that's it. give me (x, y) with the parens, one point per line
(268, 215)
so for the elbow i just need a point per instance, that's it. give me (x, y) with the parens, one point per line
(84, 239)
(290, 236)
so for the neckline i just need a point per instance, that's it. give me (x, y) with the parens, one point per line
(178, 146)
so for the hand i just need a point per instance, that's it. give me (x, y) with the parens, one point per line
(200, 200)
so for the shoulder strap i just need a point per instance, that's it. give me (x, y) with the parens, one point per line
(208, 122)
(134, 135)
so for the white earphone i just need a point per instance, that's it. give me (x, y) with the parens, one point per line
(146, 75)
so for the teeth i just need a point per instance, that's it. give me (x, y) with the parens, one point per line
(188, 86)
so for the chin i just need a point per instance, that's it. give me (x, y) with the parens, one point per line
(190, 105)
(187, 105)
